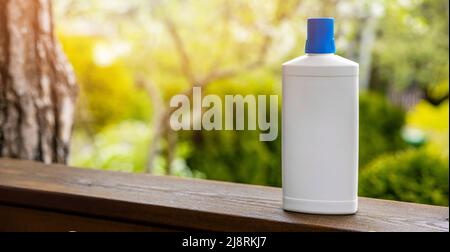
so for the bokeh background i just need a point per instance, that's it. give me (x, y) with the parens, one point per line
(131, 57)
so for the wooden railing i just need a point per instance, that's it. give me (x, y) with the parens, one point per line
(38, 197)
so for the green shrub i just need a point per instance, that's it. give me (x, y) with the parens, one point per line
(416, 175)
(236, 156)
(380, 125)
(431, 121)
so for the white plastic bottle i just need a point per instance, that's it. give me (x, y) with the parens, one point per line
(320, 127)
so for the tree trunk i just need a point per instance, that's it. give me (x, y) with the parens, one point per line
(38, 88)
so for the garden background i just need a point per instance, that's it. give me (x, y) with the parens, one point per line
(130, 57)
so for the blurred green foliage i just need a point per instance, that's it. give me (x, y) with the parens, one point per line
(433, 122)
(380, 125)
(120, 147)
(108, 92)
(413, 44)
(416, 175)
(236, 156)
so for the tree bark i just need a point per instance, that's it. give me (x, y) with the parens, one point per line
(37, 84)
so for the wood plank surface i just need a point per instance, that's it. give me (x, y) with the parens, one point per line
(170, 203)
(34, 220)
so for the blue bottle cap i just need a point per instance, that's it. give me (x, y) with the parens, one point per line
(320, 36)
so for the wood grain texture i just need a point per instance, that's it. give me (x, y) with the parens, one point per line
(188, 204)
(33, 220)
